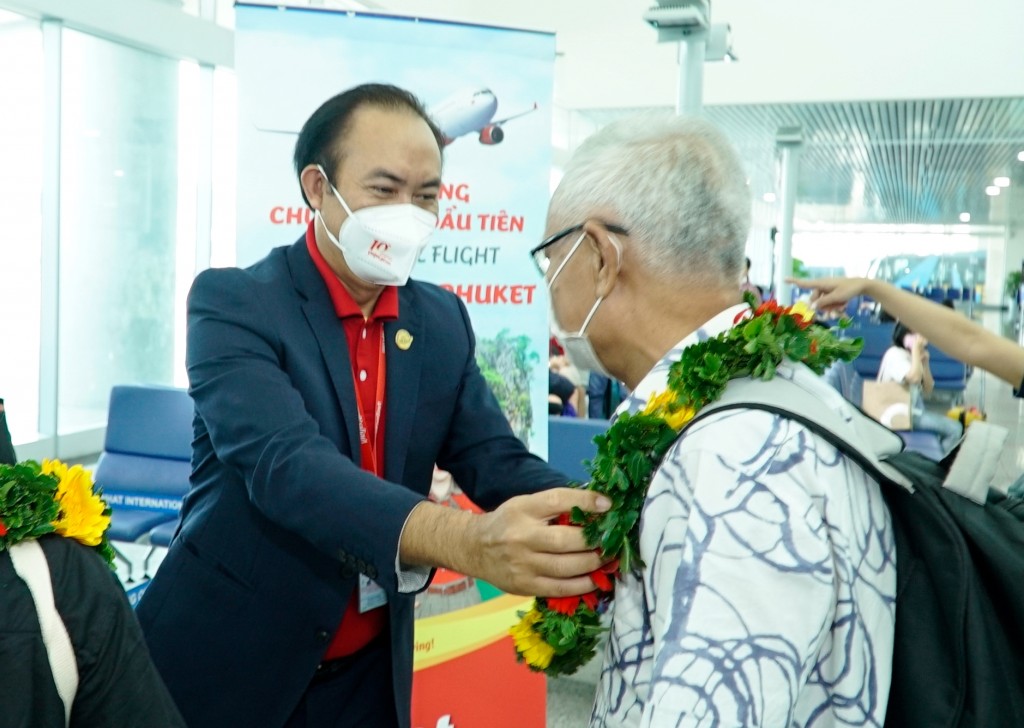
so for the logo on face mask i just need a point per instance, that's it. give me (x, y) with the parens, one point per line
(379, 250)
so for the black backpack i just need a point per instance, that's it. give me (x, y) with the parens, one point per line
(958, 657)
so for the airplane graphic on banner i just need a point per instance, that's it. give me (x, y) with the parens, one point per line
(472, 112)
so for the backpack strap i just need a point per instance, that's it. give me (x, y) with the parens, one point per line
(862, 439)
(30, 564)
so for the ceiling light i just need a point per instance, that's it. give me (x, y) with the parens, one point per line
(1020, 156)
(991, 190)
(769, 197)
(965, 217)
(1001, 181)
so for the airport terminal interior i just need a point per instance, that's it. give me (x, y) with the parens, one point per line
(880, 139)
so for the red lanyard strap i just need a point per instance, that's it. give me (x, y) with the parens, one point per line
(370, 444)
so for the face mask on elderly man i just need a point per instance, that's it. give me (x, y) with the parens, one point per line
(577, 346)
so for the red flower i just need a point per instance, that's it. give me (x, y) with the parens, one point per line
(770, 306)
(601, 580)
(569, 605)
(801, 322)
(563, 605)
(814, 346)
(3, 528)
(600, 576)
(740, 316)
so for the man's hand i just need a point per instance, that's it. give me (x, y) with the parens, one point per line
(516, 548)
(521, 552)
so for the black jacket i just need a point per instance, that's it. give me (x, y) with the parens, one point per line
(117, 683)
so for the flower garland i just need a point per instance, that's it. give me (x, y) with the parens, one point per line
(52, 498)
(558, 635)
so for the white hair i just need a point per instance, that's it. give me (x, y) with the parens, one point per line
(675, 183)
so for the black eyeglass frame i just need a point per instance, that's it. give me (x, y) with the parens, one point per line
(552, 239)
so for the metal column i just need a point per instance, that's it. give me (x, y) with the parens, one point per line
(789, 141)
(692, 49)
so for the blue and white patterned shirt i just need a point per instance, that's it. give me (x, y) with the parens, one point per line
(768, 596)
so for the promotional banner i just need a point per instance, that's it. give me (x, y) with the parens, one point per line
(465, 673)
(489, 90)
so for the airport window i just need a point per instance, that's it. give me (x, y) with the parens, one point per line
(21, 151)
(119, 197)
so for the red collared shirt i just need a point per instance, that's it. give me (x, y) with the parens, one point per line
(365, 338)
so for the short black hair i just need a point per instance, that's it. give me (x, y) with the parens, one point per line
(899, 332)
(317, 142)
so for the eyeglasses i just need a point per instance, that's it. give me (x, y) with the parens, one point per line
(540, 255)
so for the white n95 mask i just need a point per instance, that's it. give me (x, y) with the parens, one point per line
(577, 346)
(381, 243)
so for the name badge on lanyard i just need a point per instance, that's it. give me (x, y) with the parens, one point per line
(371, 594)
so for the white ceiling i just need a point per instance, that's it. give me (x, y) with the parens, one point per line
(891, 162)
(909, 108)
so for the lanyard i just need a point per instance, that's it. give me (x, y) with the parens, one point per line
(370, 444)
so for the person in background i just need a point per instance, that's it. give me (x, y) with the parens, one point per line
(327, 385)
(768, 587)
(906, 363)
(567, 377)
(955, 334)
(561, 394)
(747, 287)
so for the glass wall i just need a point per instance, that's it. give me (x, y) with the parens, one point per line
(21, 152)
(107, 179)
(118, 224)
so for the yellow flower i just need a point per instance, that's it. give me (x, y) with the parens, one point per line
(677, 419)
(663, 406)
(529, 643)
(802, 310)
(81, 510)
(659, 402)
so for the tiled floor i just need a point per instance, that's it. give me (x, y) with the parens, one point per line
(569, 702)
(570, 699)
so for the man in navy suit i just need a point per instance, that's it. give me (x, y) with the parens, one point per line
(327, 385)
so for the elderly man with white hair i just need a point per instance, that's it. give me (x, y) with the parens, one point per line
(767, 594)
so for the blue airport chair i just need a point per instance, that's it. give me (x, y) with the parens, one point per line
(146, 461)
(950, 374)
(163, 534)
(570, 442)
(877, 339)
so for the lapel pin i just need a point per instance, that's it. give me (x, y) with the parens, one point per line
(403, 339)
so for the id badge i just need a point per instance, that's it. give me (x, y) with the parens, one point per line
(371, 594)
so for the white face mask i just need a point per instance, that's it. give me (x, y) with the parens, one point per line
(577, 346)
(381, 243)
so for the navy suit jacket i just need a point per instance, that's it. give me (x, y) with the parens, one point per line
(280, 519)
